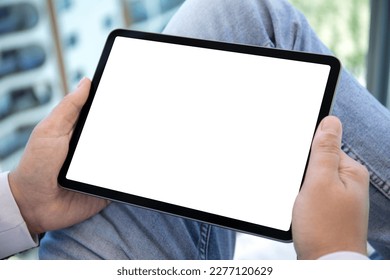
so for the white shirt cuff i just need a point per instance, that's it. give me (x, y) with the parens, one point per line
(344, 255)
(14, 234)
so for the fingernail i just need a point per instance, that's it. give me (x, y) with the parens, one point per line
(81, 82)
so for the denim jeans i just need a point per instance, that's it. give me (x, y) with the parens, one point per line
(122, 231)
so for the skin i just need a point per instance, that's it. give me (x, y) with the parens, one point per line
(331, 211)
(43, 205)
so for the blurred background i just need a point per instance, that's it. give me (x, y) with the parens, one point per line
(47, 46)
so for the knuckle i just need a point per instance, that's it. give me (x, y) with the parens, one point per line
(328, 143)
(359, 172)
(362, 171)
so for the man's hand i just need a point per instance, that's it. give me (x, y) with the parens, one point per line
(331, 211)
(45, 206)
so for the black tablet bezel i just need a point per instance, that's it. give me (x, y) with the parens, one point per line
(234, 224)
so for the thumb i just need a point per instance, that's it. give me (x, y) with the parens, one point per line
(64, 116)
(326, 148)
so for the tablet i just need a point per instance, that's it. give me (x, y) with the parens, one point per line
(210, 131)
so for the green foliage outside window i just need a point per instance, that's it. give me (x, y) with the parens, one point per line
(343, 26)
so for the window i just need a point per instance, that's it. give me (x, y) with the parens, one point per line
(38, 65)
(344, 27)
(47, 46)
(358, 33)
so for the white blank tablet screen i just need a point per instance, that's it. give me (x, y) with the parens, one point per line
(216, 131)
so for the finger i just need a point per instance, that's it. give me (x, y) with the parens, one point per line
(69, 109)
(353, 173)
(326, 148)
(64, 116)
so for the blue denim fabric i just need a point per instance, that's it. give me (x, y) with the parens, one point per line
(127, 232)
(275, 23)
(121, 232)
